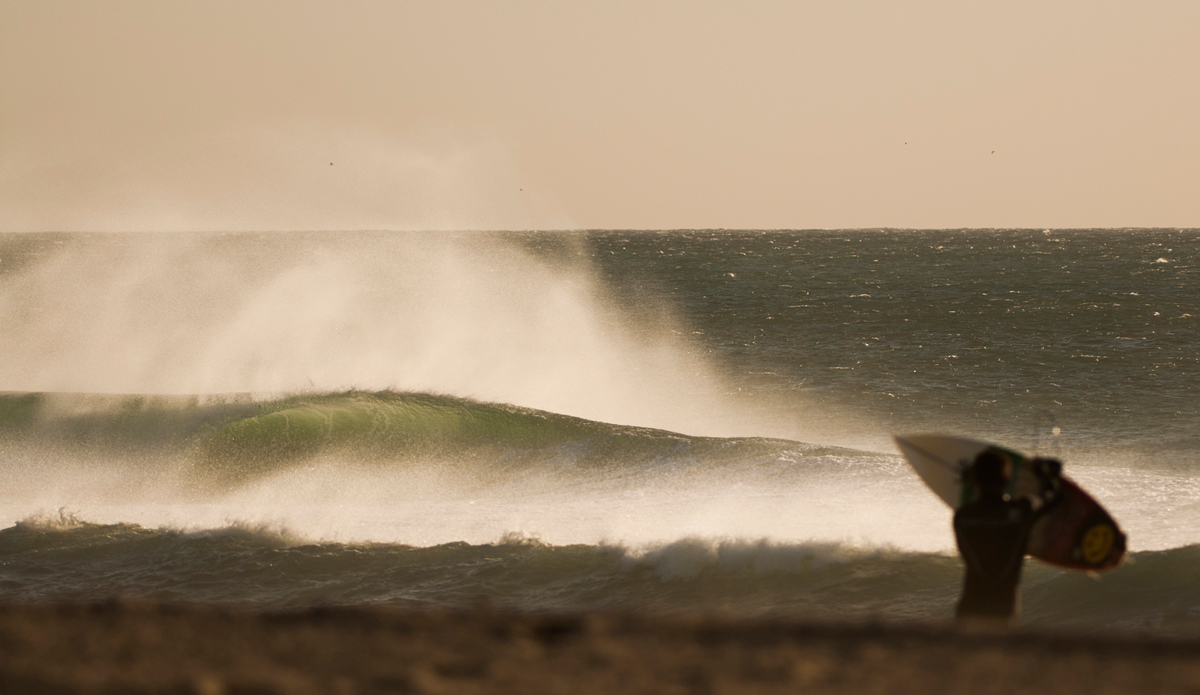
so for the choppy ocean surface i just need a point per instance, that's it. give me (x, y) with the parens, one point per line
(655, 421)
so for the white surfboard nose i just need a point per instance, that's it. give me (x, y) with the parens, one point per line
(940, 461)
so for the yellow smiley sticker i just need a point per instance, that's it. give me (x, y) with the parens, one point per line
(1097, 543)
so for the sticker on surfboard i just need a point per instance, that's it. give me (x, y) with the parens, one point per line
(1076, 533)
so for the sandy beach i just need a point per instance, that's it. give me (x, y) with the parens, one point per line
(146, 648)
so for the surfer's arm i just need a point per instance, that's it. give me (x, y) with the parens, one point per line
(1049, 472)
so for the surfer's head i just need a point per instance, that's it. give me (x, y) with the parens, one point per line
(991, 471)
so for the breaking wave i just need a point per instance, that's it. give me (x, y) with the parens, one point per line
(231, 439)
(417, 499)
(64, 558)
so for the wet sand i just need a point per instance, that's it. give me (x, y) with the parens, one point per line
(140, 648)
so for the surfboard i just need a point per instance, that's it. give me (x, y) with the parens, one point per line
(1076, 532)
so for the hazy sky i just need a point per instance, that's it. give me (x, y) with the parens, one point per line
(247, 114)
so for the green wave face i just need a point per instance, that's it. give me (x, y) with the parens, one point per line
(233, 438)
(379, 426)
(380, 419)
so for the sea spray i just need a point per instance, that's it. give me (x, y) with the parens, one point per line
(472, 315)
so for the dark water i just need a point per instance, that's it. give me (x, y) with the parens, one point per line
(999, 334)
(666, 421)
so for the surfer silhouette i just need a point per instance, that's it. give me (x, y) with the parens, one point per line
(992, 535)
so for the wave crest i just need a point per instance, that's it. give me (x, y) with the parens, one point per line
(229, 440)
(687, 558)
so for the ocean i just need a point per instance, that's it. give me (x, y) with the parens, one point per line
(657, 422)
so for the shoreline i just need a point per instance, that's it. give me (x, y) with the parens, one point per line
(158, 648)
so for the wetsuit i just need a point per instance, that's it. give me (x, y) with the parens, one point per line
(992, 534)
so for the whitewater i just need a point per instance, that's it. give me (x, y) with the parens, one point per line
(681, 421)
